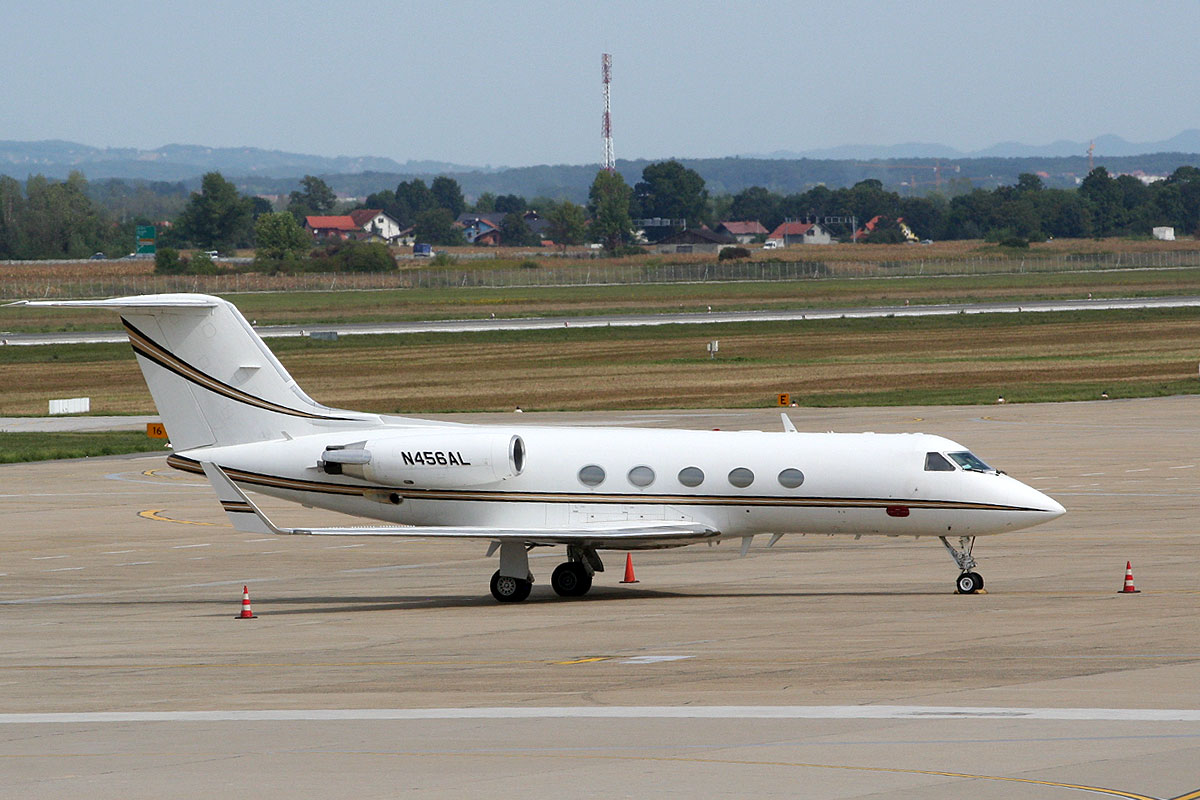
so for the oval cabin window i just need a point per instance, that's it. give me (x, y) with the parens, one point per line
(741, 477)
(691, 476)
(591, 475)
(641, 476)
(791, 478)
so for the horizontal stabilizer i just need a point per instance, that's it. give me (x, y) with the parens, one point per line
(156, 301)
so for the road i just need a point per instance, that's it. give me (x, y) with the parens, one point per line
(632, 320)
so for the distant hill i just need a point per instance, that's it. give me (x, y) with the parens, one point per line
(176, 162)
(272, 172)
(1108, 145)
(731, 175)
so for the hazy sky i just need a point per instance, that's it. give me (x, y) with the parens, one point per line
(518, 82)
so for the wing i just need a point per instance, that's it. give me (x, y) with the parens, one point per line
(248, 518)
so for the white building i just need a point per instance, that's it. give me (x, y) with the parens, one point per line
(374, 221)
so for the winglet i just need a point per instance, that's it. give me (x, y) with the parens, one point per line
(788, 427)
(245, 516)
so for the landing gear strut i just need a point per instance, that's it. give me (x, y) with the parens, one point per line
(512, 582)
(969, 582)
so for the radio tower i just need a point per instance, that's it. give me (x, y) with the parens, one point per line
(610, 161)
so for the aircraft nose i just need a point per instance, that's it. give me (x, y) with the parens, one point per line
(1043, 503)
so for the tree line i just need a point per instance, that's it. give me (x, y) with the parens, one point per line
(60, 219)
(1103, 205)
(56, 219)
(727, 176)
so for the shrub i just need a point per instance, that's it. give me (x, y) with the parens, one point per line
(202, 264)
(730, 253)
(890, 235)
(167, 262)
(443, 259)
(529, 263)
(351, 256)
(1015, 241)
(367, 257)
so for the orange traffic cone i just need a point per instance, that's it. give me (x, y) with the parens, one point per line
(629, 569)
(246, 612)
(1129, 580)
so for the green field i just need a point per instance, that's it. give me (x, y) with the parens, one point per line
(955, 359)
(278, 308)
(19, 447)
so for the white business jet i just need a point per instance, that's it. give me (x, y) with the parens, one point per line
(234, 414)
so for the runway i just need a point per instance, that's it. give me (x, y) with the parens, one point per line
(635, 320)
(823, 668)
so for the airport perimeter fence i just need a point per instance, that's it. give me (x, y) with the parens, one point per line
(20, 286)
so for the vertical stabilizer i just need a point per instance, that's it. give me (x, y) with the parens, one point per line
(213, 379)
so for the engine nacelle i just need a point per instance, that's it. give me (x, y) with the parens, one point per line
(440, 459)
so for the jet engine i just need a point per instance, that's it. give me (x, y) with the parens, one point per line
(436, 458)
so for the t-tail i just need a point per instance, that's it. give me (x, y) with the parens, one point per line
(213, 379)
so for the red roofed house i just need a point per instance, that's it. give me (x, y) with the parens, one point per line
(744, 232)
(862, 233)
(363, 223)
(480, 229)
(343, 227)
(800, 233)
(866, 230)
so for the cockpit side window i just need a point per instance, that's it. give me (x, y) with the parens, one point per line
(936, 462)
(970, 462)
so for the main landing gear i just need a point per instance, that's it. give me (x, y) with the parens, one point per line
(969, 582)
(573, 578)
(507, 589)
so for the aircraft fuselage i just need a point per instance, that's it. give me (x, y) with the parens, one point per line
(738, 482)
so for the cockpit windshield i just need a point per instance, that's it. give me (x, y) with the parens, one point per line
(936, 462)
(970, 462)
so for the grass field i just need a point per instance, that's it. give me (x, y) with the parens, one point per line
(462, 303)
(931, 360)
(505, 257)
(20, 447)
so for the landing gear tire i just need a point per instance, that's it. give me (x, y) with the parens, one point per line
(509, 590)
(571, 579)
(969, 583)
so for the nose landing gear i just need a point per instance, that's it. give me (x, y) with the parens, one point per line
(969, 582)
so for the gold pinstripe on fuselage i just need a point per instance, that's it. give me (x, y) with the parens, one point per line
(189, 464)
